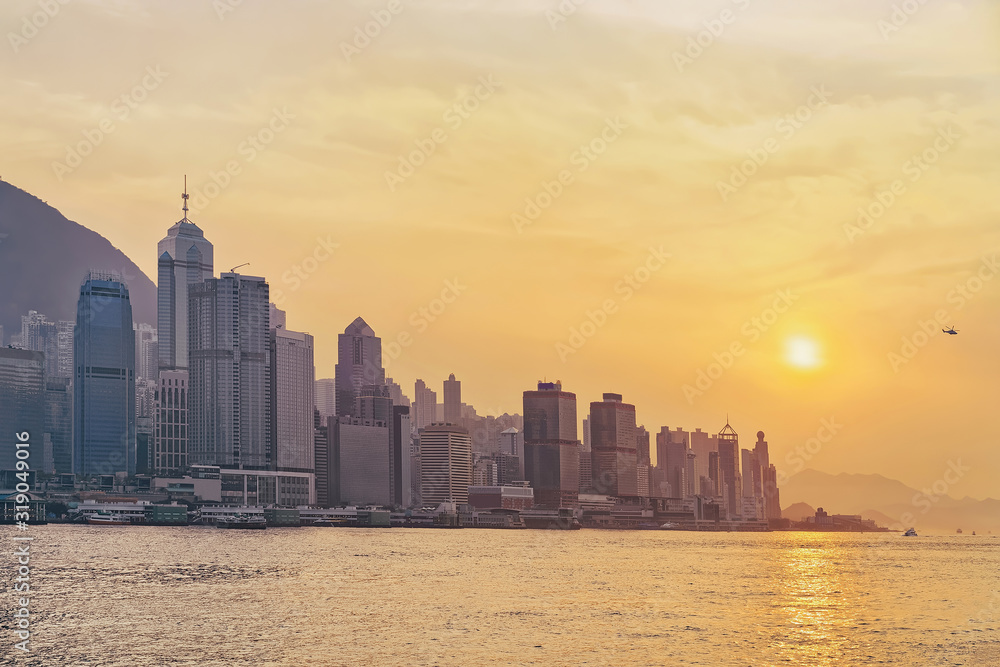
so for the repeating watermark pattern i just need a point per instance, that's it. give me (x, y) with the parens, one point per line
(22, 551)
(925, 499)
(802, 454)
(786, 127)
(960, 295)
(581, 158)
(32, 24)
(752, 330)
(705, 38)
(365, 34)
(562, 12)
(626, 288)
(459, 112)
(121, 109)
(421, 319)
(899, 17)
(914, 168)
(246, 152)
(223, 7)
(301, 271)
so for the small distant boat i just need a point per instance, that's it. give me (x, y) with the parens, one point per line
(108, 520)
(670, 526)
(244, 521)
(910, 533)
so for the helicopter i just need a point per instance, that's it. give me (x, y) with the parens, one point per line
(950, 330)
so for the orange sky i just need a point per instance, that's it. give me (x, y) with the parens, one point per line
(738, 138)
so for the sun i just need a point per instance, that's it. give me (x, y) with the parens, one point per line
(802, 352)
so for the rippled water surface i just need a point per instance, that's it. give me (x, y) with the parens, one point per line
(143, 596)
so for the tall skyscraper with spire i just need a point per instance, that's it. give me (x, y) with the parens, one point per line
(185, 258)
(359, 364)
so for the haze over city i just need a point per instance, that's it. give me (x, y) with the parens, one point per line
(818, 277)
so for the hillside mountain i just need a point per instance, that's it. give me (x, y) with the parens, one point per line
(44, 258)
(890, 502)
(798, 512)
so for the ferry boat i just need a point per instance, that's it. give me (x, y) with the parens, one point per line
(670, 526)
(244, 521)
(910, 533)
(108, 520)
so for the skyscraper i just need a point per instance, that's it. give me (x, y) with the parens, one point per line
(613, 446)
(445, 464)
(551, 448)
(359, 363)
(171, 422)
(402, 493)
(104, 379)
(185, 259)
(59, 422)
(672, 462)
(229, 372)
(729, 469)
(326, 397)
(147, 350)
(22, 387)
(452, 397)
(360, 464)
(425, 405)
(291, 405)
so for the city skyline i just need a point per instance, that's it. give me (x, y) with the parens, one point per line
(785, 270)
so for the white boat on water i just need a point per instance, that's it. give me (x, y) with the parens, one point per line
(108, 520)
(244, 521)
(670, 526)
(910, 533)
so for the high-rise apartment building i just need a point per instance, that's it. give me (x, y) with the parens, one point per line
(424, 405)
(104, 378)
(614, 454)
(551, 446)
(229, 372)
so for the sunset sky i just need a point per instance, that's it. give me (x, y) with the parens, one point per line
(737, 138)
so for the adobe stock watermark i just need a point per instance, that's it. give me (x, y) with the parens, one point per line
(121, 108)
(421, 319)
(32, 24)
(752, 330)
(959, 295)
(786, 127)
(246, 152)
(301, 271)
(914, 168)
(704, 39)
(581, 158)
(626, 288)
(562, 12)
(453, 117)
(365, 34)
(899, 17)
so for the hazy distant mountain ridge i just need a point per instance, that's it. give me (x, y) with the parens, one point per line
(889, 502)
(44, 258)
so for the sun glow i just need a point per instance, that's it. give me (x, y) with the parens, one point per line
(802, 352)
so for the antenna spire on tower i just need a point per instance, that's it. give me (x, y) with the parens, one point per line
(185, 198)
